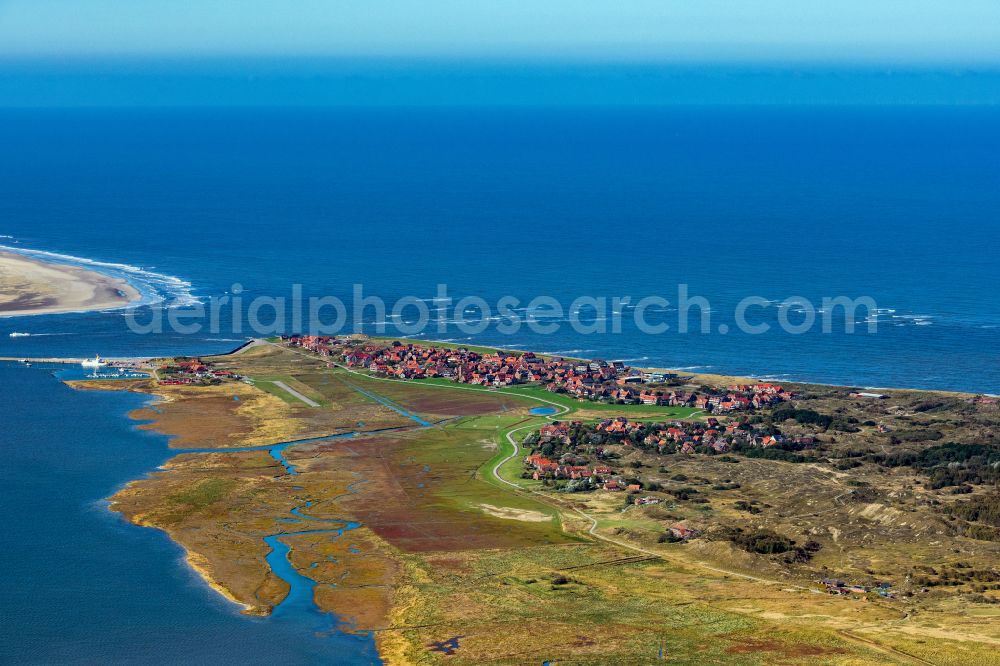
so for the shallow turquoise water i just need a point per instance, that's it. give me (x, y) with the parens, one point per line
(542, 411)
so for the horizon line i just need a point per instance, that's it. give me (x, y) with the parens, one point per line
(540, 61)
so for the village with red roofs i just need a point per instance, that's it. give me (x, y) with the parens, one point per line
(596, 380)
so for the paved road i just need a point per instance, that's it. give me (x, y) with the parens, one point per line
(285, 387)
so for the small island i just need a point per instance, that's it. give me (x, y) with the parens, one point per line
(29, 286)
(415, 491)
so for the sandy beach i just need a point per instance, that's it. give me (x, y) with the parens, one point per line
(32, 287)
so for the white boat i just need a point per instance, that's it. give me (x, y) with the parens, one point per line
(95, 362)
(16, 334)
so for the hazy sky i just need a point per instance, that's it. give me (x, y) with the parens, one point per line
(829, 31)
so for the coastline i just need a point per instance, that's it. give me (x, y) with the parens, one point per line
(403, 608)
(30, 286)
(717, 377)
(199, 564)
(195, 562)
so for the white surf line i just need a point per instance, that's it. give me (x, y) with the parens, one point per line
(285, 387)
(153, 287)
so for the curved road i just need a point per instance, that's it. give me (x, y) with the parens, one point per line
(593, 521)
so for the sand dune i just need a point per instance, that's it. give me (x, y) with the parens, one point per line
(31, 287)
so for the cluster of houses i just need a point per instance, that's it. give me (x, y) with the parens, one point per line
(566, 449)
(499, 368)
(841, 588)
(542, 467)
(687, 436)
(546, 468)
(625, 391)
(557, 448)
(190, 371)
(324, 345)
(598, 380)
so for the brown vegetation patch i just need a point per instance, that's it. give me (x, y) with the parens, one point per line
(355, 576)
(751, 645)
(209, 422)
(443, 400)
(449, 404)
(422, 504)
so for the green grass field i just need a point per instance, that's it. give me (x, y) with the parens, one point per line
(497, 427)
(543, 397)
(574, 404)
(442, 471)
(267, 383)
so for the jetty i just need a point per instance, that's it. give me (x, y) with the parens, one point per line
(76, 361)
(249, 344)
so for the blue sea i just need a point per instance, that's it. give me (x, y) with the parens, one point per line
(83, 586)
(899, 204)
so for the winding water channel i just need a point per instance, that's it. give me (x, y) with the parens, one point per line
(300, 596)
(74, 571)
(299, 605)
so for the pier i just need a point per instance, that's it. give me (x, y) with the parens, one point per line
(75, 361)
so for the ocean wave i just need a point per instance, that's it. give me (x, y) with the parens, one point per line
(534, 314)
(630, 360)
(17, 334)
(152, 286)
(546, 321)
